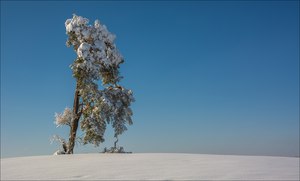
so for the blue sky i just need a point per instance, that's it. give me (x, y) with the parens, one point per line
(208, 77)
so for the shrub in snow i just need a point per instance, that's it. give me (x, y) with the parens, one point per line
(115, 149)
(62, 142)
(98, 59)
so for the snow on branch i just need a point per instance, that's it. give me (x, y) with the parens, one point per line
(98, 56)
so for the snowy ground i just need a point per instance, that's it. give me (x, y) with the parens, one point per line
(150, 166)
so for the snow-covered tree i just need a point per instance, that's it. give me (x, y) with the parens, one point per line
(98, 59)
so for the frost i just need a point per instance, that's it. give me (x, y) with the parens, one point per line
(64, 118)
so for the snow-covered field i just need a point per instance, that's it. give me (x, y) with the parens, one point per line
(150, 166)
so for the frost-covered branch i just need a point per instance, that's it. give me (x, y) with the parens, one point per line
(64, 118)
(62, 142)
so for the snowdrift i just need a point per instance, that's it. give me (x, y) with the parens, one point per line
(150, 166)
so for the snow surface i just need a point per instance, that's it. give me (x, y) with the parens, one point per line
(150, 166)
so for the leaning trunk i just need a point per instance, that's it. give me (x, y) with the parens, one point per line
(74, 123)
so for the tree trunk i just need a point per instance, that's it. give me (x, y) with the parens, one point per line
(74, 124)
(115, 144)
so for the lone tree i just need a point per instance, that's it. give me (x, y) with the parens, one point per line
(98, 59)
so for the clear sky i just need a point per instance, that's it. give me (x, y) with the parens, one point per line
(208, 77)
